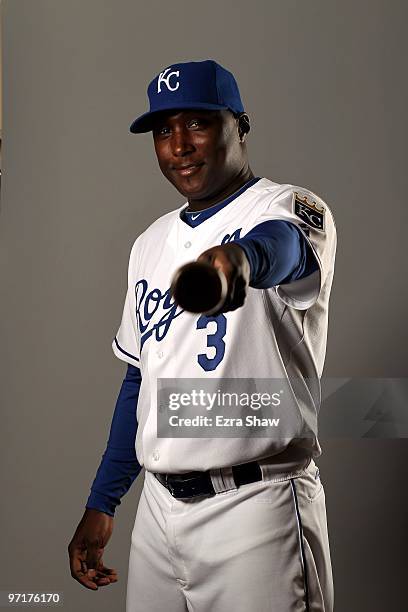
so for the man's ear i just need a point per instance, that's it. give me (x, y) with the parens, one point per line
(243, 126)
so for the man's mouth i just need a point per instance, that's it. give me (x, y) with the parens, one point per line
(188, 169)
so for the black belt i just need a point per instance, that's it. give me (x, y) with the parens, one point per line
(193, 484)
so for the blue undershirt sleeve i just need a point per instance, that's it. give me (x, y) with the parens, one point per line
(278, 253)
(119, 466)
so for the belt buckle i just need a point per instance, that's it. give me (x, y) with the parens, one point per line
(185, 490)
(169, 486)
(174, 490)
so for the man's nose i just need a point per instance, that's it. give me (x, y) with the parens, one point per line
(181, 143)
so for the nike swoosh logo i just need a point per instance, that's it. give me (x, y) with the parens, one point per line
(195, 217)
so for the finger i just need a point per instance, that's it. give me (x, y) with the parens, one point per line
(103, 579)
(229, 299)
(205, 257)
(108, 573)
(217, 260)
(80, 575)
(237, 293)
(240, 291)
(86, 582)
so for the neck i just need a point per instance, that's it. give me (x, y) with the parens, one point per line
(243, 177)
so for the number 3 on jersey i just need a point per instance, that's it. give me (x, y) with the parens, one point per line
(213, 340)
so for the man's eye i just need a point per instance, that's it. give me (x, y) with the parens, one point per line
(195, 123)
(163, 130)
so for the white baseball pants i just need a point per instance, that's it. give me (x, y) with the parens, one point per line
(262, 548)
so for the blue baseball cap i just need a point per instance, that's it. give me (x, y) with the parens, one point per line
(205, 85)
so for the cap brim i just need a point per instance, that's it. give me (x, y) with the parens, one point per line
(144, 123)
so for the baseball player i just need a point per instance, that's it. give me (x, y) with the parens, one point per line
(230, 522)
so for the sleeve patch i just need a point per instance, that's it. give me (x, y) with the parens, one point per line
(309, 211)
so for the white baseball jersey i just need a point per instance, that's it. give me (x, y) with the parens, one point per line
(279, 333)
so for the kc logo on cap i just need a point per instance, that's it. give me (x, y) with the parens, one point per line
(200, 85)
(165, 78)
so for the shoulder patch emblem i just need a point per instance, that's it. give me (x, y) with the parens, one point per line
(308, 210)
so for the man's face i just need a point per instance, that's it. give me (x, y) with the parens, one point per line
(198, 151)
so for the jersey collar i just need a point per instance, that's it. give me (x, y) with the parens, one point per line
(196, 218)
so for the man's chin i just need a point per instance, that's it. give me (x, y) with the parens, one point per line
(189, 189)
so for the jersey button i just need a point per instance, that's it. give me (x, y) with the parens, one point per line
(156, 455)
(187, 244)
(160, 354)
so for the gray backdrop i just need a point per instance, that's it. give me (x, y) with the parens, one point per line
(323, 82)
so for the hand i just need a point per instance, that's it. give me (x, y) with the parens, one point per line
(86, 550)
(231, 260)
